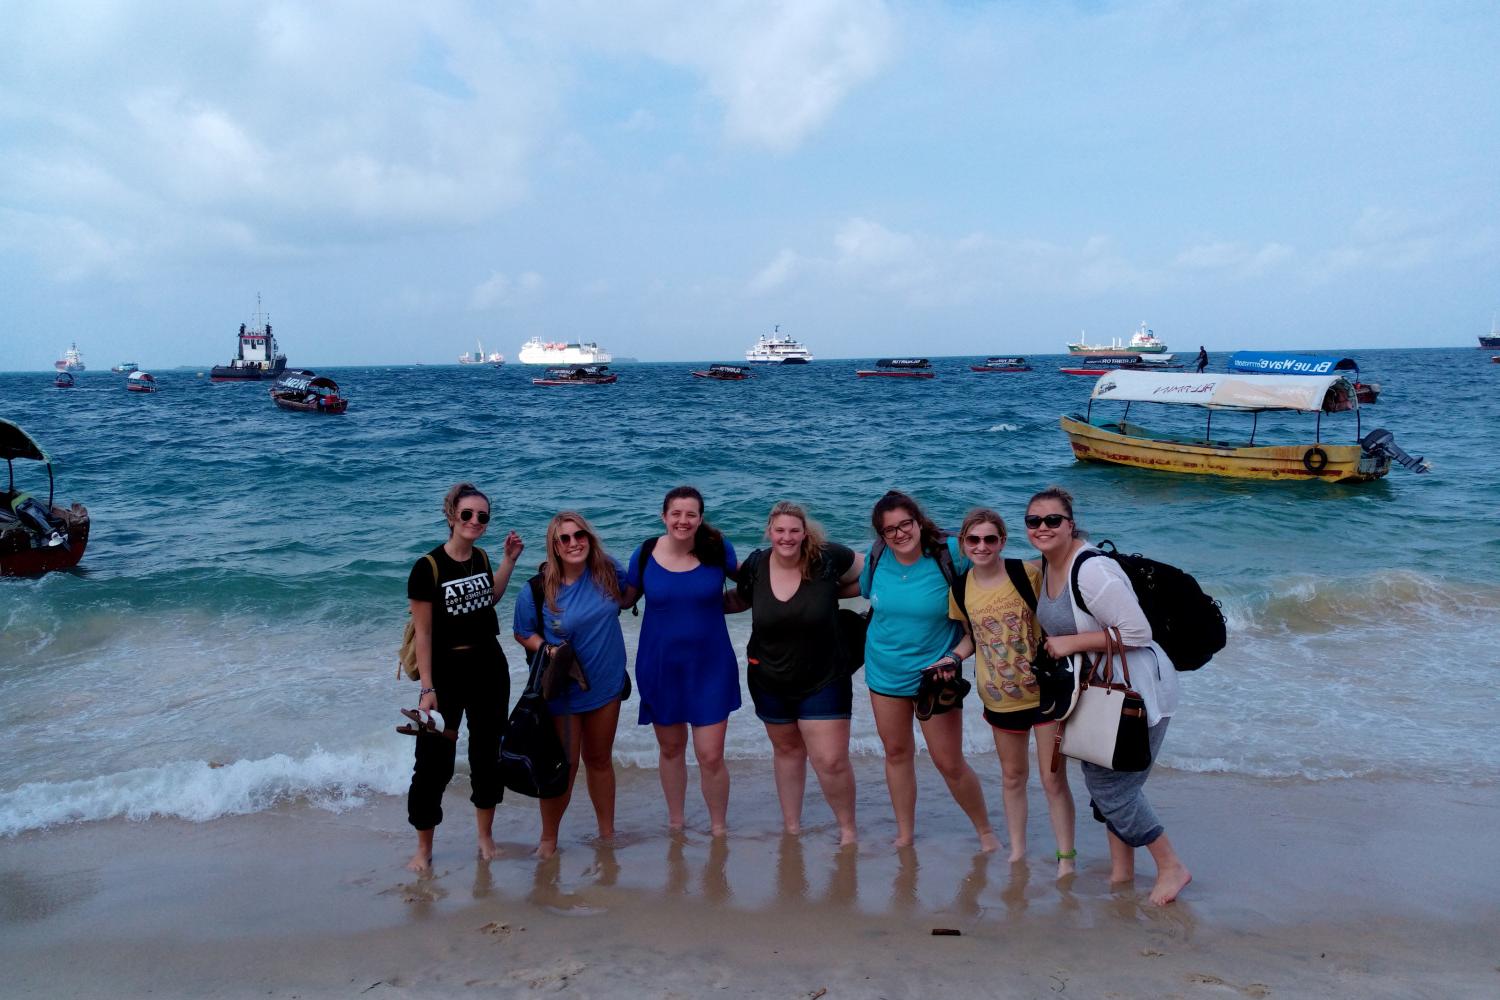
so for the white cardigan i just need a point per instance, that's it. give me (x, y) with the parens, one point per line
(1109, 594)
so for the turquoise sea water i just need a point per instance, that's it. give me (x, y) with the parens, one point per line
(228, 641)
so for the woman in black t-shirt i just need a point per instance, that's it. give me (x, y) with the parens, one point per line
(797, 675)
(452, 591)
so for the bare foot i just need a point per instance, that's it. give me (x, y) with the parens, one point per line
(1066, 867)
(719, 831)
(1017, 853)
(988, 842)
(906, 841)
(1121, 876)
(848, 836)
(1170, 881)
(675, 825)
(420, 863)
(604, 834)
(487, 849)
(791, 829)
(545, 849)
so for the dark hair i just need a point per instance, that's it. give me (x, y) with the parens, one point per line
(708, 541)
(1064, 498)
(932, 535)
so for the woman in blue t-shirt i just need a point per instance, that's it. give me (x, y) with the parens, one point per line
(582, 591)
(910, 632)
(685, 664)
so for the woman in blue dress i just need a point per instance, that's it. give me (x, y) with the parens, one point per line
(582, 591)
(910, 632)
(685, 665)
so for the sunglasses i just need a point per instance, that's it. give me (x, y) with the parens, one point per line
(563, 538)
(982, 539)
(469, 514)
(900, 528)
(1050, 520)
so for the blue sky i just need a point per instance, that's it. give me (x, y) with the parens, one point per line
(671, 179)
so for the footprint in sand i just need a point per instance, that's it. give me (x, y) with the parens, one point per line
(1250, 990)
(553, 979)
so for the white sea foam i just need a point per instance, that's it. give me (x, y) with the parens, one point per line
(1005, 428)
(198, 791)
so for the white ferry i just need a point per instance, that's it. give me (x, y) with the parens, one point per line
(72, 360)
(778, 349)
(537, 351)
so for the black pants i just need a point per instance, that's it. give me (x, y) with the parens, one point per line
(473, 682)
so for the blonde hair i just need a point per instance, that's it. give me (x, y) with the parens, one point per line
(599, 566)
(813, 537)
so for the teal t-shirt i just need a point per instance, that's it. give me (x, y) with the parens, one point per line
(910, 627)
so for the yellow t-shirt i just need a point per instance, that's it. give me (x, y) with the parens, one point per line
(1006, 636)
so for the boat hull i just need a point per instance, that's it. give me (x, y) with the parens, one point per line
(720, 378)
(1345, 463)
(605, 380)
(894, 374)
(247, 373)
(999, 368)
(27, 561)
(311, 406)
(1489, 341)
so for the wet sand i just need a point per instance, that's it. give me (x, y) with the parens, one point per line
(1347, 888)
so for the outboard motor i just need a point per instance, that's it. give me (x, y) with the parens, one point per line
(1381, 442)
(34, 516)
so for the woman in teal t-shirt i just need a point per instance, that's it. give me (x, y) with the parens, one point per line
(910, 631)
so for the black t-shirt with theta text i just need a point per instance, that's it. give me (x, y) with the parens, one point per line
(462, 598)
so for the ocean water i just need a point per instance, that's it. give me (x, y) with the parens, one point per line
(228, 641)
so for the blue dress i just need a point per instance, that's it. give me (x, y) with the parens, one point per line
(589, 620)
(685, 665)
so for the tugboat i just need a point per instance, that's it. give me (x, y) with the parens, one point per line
(72, 360)
(899, 368)
(36, 539)
(1493, 340)
(308, 392)
(1002, 364)
(257, 358)
(577, 375)
(725, 373)
(141, 382)
(64, 380)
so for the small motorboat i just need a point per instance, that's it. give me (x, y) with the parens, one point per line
(36, 538)
(1221, 451)
(64, 380)
(140, 381)
(1002, 364)
(308, 392)
(899, 368)
(578, 375)
(125, 368)
(725, 373)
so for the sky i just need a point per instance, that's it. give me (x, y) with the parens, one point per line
(398, 181)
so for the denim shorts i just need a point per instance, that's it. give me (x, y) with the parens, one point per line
(834, 700)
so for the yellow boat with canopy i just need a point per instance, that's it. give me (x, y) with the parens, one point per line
(1226, 450)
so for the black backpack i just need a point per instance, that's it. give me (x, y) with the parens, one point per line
(532, 759)
(1185, 621)
(1057, 682)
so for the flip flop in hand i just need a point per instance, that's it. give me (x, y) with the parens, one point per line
(426, 722)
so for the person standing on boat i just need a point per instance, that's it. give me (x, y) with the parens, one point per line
(1117, 797)
(797, 674)
(1202, 358)
(906, 581)
(1002, 632)
(463, 672)
(582, 591)
(685, 666)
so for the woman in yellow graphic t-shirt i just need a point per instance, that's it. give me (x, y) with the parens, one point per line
(1003, 630)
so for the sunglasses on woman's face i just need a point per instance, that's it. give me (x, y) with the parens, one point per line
(563, 538)
(982, 539)
(469, 514)
(1050, 520)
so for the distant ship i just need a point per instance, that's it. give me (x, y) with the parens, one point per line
(126, 367)
(478, 357)
(72, 360)
(778, 349)
(257, 358)
(539, 352)
(1142, 342)
(1493, 340)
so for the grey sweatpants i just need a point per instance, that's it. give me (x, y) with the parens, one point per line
(1119, 799)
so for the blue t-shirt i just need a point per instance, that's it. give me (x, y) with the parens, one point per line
(589, 620)
(910, 628)
(685, 665)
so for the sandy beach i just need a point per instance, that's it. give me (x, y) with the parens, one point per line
(1343, 888)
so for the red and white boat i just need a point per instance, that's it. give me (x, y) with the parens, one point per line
(140, 382)
(899, 368)
(36, 538)
(1002, 364)
(577, 375)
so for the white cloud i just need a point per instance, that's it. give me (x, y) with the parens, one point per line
(499, 290)
(1236, 259)
(775, 274)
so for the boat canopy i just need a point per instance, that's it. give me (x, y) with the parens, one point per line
(305, 381)
(1308, 394)
(903, 363)
(139, 376)
(16, 443)
(1278, 363)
